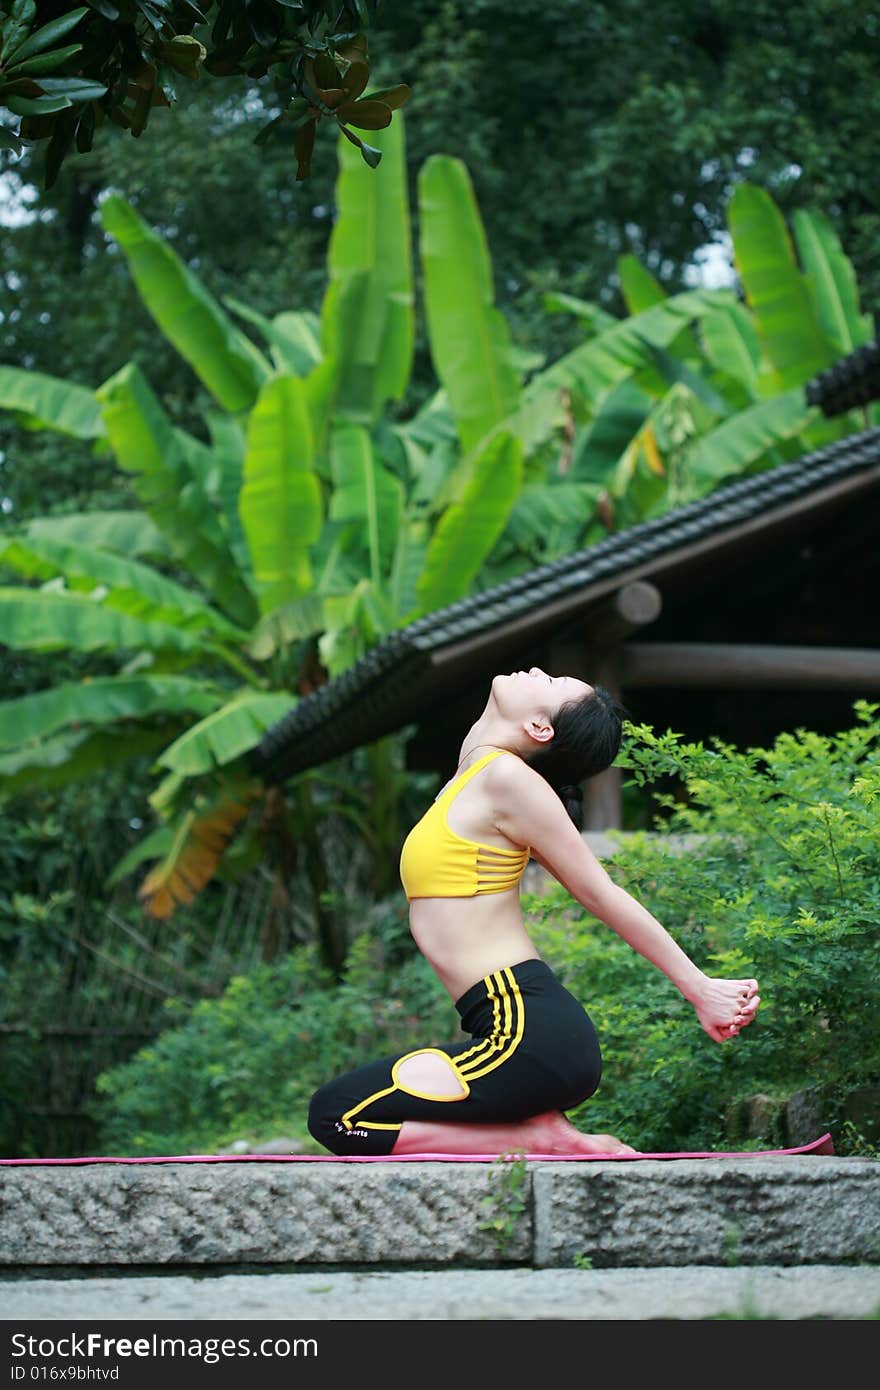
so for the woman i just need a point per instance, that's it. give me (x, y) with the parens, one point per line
(532, 1052)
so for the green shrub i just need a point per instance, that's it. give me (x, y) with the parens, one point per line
(246, 1064)
(782, 883)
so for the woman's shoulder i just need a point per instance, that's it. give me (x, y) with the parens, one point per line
(509, 773)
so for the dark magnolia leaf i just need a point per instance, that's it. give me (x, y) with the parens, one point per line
(79, 88)
(44, 62)
(141, 113)
(322, 71)
(366, 115)
(372, 156)
(392, 96)
(60, 143)
(85, 130)
(16, 26)
(44, 37)
(155, 14)
(144, 76)
(37, 127)
(303, 144)
(356, 79)
(353, 48)
(225, 62)
(332, 96)
(223, 22)
(264, 133)
(35, 106)
(9, 140)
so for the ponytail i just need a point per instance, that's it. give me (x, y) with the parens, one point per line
(586, 739)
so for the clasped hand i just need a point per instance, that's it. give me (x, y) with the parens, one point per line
(724, 1007)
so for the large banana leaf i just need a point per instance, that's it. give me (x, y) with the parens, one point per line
(742, 440)
(776, 290)
(222, 356)
(355, 622)
(45, 402)
(637, 285)
(731, 343)
(294, 336)
(126, 533)
(145, 445)
(406, 570)
(599, 446)
(594, 318)
(642, 291)
(197, 848)
(596, 366)
(371, 330)
(470, 341)
(367, 493)
(548, 519)
(467, 531)
(131, 587)
(223, 479)
(670, 370)
(76, 754)
(102, 700)
(832, 281)
(280, 506)
(45, 621)
(227, 732)
(293, 621)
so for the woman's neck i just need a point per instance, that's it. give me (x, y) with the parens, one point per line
(483, 737)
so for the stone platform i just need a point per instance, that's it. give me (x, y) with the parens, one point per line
(758, 1211)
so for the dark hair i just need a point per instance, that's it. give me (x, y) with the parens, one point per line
(586, 739)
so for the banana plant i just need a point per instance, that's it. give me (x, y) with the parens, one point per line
(285, 531)
(316, 517)
(725, 397)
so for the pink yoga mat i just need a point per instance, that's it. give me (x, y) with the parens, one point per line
(822, 1145)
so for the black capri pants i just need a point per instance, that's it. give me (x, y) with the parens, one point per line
(532, 1048)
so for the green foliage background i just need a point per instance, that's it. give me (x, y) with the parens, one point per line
(785, 886)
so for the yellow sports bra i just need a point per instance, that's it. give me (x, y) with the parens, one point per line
(437, 863)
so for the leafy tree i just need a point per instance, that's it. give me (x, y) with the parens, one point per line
(125, 60)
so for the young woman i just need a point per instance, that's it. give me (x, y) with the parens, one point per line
(532, 1051)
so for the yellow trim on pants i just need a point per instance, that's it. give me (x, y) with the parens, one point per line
(483, 1057)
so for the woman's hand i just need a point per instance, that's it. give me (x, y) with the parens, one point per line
(725, 1006)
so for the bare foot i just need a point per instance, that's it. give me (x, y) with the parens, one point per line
(550, 1133)
(553, 1133)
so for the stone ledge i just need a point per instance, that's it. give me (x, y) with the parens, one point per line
(756, 1211)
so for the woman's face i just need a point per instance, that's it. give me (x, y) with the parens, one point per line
(520, 694)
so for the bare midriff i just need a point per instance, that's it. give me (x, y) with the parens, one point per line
(465, 939)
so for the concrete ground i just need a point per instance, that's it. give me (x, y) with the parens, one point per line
(679, 1293)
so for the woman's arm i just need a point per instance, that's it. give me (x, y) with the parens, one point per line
(530, 812)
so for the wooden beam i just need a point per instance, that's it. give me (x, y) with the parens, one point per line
(731, 666)
(633, 606)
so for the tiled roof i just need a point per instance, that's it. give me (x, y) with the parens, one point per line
(390, 686)
(853, 381)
